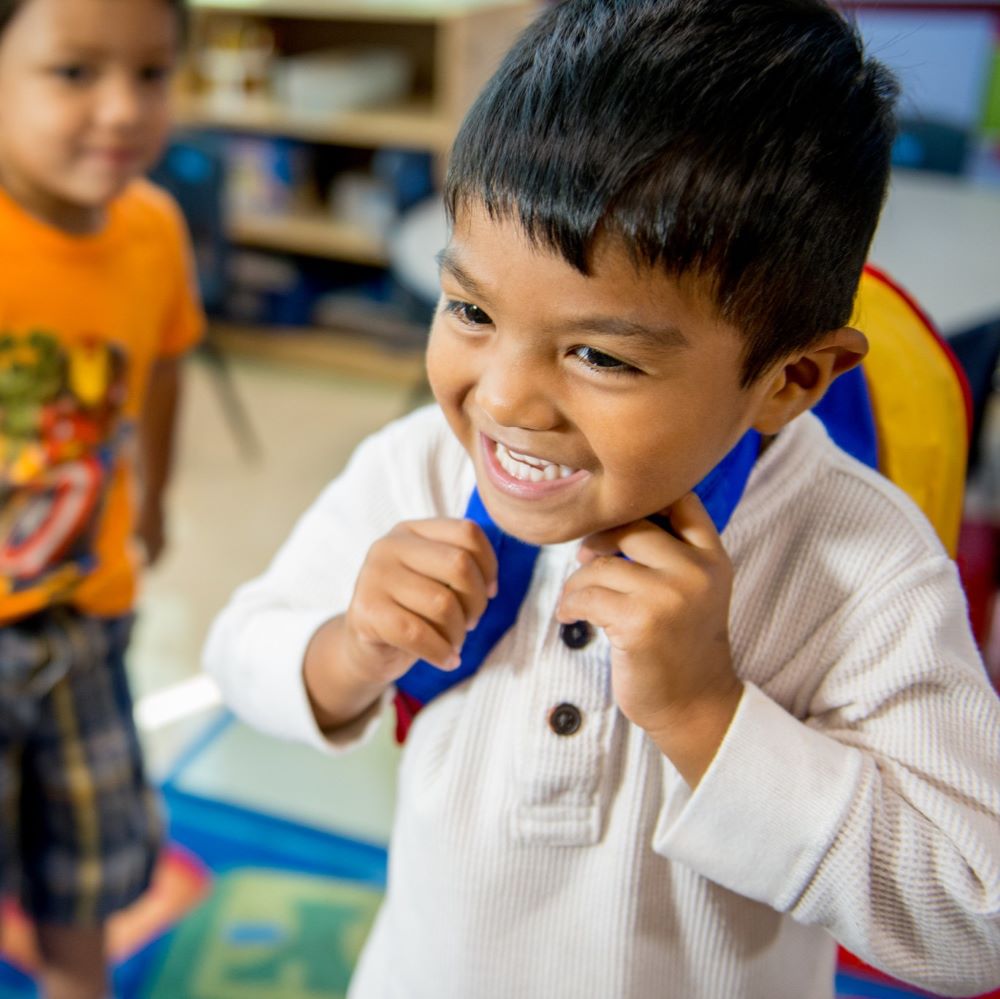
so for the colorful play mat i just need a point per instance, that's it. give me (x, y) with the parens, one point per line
(246, 905)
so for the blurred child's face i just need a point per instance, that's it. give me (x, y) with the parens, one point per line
(585, 402)
(83, 102)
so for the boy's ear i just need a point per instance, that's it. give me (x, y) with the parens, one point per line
(802, 379)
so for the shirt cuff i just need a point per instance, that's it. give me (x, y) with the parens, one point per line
(272, 695)
(767, 809)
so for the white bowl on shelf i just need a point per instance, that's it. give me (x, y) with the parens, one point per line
(334, 80)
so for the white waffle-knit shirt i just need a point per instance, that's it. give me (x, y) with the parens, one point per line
(855, 797)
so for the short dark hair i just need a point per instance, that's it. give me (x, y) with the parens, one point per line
(745, 142)
(8, 8)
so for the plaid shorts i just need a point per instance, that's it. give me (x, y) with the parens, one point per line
(79, 826)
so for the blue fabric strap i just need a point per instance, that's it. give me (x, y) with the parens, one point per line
(846, 412)
(723, 487)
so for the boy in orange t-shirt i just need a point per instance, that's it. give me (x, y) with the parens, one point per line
(96, 309)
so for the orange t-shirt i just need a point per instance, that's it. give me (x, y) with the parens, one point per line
(82, 320)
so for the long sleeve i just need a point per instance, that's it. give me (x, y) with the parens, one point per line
(256, 646)
(868, 801)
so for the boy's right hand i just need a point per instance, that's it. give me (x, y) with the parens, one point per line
(420, 589)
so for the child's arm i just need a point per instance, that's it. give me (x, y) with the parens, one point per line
(156, 447)
(875, 811)
(421, 588)
(259, 644)
(665, 612)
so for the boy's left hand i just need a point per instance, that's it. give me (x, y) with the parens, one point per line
(666, 615)
(149, 530)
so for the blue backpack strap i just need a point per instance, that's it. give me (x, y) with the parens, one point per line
(723, 487)
(846, 412)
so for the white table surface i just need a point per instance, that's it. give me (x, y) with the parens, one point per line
(939, 237)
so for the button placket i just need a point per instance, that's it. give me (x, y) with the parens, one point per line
(567, 734)
(566, 718)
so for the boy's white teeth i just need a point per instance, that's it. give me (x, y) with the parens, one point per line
(529, 468)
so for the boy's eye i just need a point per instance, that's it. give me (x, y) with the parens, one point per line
(74, 73)
(604, 362)
(154, 74)
(467, 313)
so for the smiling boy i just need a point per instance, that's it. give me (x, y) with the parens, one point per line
(567, 439)
(690, 770)
(97, 308)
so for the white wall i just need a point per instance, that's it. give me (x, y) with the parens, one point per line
(942, 59)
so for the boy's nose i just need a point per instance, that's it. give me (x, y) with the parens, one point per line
(120, 103)
(518, 396)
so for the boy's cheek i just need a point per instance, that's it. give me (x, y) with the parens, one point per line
(444, 375)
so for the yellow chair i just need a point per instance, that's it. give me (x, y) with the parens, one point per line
(920, 402)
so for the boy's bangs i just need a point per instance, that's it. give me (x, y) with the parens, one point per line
(564, 208)
(679, 214)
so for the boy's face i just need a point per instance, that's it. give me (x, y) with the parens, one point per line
(84, 88)
(584, 402)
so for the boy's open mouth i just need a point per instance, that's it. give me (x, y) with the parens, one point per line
(527, 467)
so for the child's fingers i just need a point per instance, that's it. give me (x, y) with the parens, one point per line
(598, 545)
(463, 546)
(447, 566)
(650, 544)
(438, 604)
(407, 631)
(602, 606)
(610, 572)
(642, 541)
(691, 523)
(422, 587)
(465, 534)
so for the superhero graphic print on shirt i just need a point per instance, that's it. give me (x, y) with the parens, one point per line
(61, 432)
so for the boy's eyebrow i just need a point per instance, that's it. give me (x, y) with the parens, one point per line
(85, 50)
(447, 262)
(667, 336)
(664, 336)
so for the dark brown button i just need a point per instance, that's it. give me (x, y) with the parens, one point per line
(565, 719)
(576, 635)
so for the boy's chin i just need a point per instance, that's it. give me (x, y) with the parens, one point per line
(541, 538)
(97, 188)
(537, 534)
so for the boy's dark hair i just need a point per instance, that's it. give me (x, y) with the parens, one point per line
(744, 142)
(8, 8)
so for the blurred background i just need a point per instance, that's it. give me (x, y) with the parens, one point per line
(311, 140)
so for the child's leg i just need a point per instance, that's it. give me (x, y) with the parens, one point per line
(74, 962)
(90, 825)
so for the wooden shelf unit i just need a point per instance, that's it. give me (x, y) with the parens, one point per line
(453, 47)
(322, 350)
(314, 234)
(390, 11)
(411, 125)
